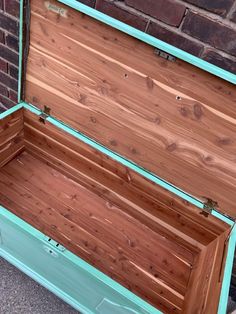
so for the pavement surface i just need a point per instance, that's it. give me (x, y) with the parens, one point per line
(21, 295)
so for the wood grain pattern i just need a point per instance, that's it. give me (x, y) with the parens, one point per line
(96, 230)
(81, 160)
(11, 136)
(149, 240)
(172, 119)
(102, 233)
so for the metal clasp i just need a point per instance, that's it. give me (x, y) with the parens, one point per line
(208, 207)
(164, 55)
(45, 114)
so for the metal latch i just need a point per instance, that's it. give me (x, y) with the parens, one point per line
(208, 207)
(54, 244)
(164, 55)
(45, 114)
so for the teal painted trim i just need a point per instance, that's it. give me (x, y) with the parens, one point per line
(20, 49)
(206, 66)
(145, 173)
(11, 110)
(222, 309)
(223, 218)
(74, 259)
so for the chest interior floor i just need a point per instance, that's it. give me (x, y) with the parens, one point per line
(150, 241)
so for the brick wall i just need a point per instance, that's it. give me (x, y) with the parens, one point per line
(9, 25)
(205, 28)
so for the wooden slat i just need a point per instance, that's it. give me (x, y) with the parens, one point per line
(185, 227)
(173, 119)
(11, 136)
(130, 179)
(205, 282)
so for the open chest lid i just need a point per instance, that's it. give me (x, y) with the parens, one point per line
(170, 118)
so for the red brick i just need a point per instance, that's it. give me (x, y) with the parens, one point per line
(222, 62)
(13, 71)
(90, 3)
(216, 6)
(174, 39)
(6, 102)
(3, 90)
(12, 7)
(233, 17)
(2, 37)
(111, 9)
(11, 25)
(2, 109)
(8, 54)
(13, 96)
(3, 65)
(210, 31)
(167, 11)
(12, 42)
(8, 81)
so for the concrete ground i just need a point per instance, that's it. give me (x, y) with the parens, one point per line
(21, 295)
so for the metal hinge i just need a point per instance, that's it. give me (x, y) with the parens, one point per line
(209, 206)
(164, 55)
(45, 114)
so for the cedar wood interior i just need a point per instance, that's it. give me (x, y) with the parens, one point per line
(149, 240)
(171, 118)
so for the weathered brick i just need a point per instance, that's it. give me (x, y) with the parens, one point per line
(8, 54)
(3, 90)
(174, 39)
(13, 96)
(90, 3)
(111, 9)
(12, 7)
(12, 42)
(216, 6)
(167, 11)
(210, 31)
(2, 109)
(6, 102)
(11, 25)
(233, 16)
(13, 71)
(3, 65)
(2, 36)
(8, 81)
(222, 62)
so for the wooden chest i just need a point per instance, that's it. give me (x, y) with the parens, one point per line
(118, 168)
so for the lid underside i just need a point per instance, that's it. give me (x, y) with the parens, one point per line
(173, 119)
